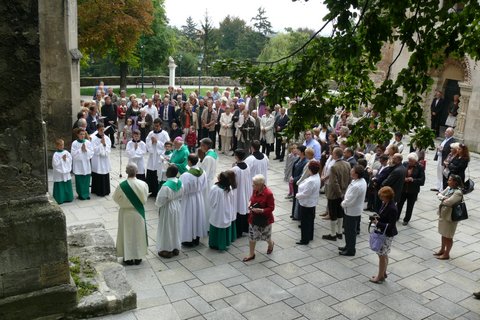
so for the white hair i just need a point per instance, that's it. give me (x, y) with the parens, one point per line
(131, 170)
(258, 179)
(412, 156)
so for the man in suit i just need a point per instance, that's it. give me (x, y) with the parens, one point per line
(396, 178)
(349, 157)
(297, 171)
(443, 151)
(281, 121)
(436, 109)
(167, 114)
(338, 182)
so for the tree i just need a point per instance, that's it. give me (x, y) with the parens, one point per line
(261, 23)
(190, 29)
(281, 44)
(207, 42)
(229, 33)
(113, 28)
(430, 32)
(160, 43)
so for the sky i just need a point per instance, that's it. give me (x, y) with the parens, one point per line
(280, 13)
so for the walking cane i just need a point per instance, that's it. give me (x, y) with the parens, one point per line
(121, 142)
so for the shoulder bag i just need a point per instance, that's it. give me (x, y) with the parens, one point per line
(459, 212)
(377, 239)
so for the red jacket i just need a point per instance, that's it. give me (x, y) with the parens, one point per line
(265, 201)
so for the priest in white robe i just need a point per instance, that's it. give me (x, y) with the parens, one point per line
(257, 161)
(209, 165)
(169, 215)
(194, 222)
(131, 195)
(101, 162)
(136, 149)
(244, 191)
(156, 148)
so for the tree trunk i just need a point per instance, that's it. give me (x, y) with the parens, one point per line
(123, 75)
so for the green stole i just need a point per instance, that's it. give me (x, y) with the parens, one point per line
(175, 186)
(197, 172)
(135, 201)
(212, 154)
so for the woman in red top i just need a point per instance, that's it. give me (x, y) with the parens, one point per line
(260, 218)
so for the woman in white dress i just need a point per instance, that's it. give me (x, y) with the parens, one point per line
(226, 129)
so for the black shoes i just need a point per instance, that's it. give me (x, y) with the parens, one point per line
(128, 262)
(303, 243)
(346, 253)
(339, 236)
(341, 248)
(476, 295)
(329, 237)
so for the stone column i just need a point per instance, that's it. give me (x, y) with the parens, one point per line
(465, 94)
(34, 271)
(171, 67)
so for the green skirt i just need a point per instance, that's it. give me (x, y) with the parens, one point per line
(219, 238)
(82, 186)
(232, 231)
(63, 191)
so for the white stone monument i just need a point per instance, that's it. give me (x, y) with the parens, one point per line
(171, 67)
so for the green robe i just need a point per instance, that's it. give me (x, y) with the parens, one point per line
(180, 158)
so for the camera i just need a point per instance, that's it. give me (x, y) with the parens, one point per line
(373, 217)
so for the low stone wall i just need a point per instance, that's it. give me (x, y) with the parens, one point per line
(161, 81)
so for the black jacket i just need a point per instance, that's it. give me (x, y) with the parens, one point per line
(395, 180)
(418, 175)
(388, 215)
(446, 149)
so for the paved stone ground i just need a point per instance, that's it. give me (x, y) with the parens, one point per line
(304, 282)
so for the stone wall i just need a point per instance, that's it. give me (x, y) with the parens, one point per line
(161, 81)
(34, 274)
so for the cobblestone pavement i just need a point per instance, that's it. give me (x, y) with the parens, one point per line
(304, 282)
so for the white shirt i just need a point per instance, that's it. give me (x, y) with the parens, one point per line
(257, 166)
(81, 160)
(136, 155)
(100, 159)
(62, 168)
(309, 191)
(155, 150)
(151, 111)
(352, 203)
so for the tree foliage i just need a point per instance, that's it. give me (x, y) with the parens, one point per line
(282, 44)
(430, 32)
(261, 22)
(113, 28)
(208, 42)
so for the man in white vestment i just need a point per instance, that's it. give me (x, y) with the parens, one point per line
(257, 161)
(131, 195)
(194, 222)
(243, 192)
(209, 165)
(156, 148)
(169, 215)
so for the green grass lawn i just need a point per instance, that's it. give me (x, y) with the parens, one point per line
(149, 91)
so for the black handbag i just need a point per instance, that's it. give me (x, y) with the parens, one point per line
(459, 212)
(259, 219)
(468, 186)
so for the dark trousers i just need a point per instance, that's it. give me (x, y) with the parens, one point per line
(435, 125)
(111, 134)
(241, 224)
(213, 136)
(279, 148)
(295, 190)
(350, 226)
(308, 218)
(266, 148)
(335, 209)
(410, 198)
(152, 181)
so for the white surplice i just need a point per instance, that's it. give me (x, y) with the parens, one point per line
(136, 155)
(194, 222)
(155, 150)
(209, 166)
(244, 189)
(101, 153)
(221, 212)
(62, 168)
(81, 160)
(257, 166)
(131, 236)
(169, 218)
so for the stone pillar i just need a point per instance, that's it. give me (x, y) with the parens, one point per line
(60, 69)
(34, 272)
(171, 67)
(465, 94)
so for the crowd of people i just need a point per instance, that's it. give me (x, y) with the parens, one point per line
(178, 135)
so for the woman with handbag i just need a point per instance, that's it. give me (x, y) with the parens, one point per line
(385, 221)
(260, 218)
(449, 197)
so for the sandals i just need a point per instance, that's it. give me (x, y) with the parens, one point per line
(439, 253)
(248, 258)
(379, 281)
(442, 257)
(270, 249)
